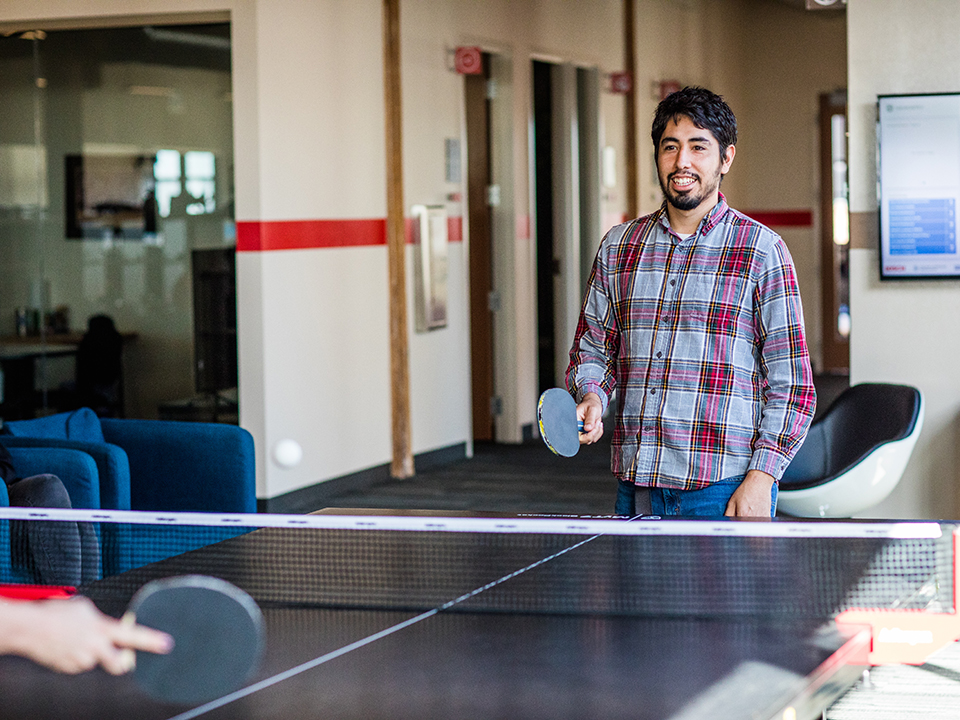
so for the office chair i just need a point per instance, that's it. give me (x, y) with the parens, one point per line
(855, 454)
(100, 368)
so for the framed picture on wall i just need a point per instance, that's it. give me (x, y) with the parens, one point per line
(110, 197)
(430, 249)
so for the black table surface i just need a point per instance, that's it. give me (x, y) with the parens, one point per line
(478, 660)
(490, 665)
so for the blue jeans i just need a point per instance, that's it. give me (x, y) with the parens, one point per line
(711, 501)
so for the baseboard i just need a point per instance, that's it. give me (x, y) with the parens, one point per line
(314, 497)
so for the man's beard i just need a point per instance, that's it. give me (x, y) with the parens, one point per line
(688, 201)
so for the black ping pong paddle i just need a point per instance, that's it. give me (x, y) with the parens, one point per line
(217, 630)
(559, 426)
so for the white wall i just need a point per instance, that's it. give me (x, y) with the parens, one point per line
(905, 332)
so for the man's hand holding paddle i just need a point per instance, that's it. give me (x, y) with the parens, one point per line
(564, 425)
(590, 412)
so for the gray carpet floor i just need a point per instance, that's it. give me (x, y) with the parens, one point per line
(524, 478)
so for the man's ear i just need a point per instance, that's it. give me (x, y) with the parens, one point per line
(727, 159)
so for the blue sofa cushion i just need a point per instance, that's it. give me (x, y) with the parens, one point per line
(75, 468)
(187, 466)
(82, 424)
(113, 466)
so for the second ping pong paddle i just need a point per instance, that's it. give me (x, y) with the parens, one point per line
(557, 419)
(217, 630)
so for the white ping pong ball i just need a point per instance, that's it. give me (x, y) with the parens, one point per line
(287, 453)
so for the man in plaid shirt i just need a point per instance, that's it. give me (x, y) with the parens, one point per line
(692, 314)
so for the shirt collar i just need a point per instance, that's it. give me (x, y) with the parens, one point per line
(709, 222)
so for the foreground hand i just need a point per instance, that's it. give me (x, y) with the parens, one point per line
(754, 496)
(72, 636)
(590, 411)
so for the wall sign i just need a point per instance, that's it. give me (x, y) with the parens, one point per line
(621, 83)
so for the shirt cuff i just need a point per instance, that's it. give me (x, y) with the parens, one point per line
(770, 462)
(594, 388)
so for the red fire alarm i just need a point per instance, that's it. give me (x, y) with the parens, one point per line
(468, 61)
(621, 83)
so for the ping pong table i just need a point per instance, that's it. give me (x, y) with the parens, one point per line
(413, 615)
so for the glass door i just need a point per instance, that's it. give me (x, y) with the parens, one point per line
(116, 161)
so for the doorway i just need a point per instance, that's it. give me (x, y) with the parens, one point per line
(834, 235)
(566, 200)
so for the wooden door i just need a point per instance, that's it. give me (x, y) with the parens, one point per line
(481, 244)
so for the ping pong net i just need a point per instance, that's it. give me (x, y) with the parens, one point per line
(796, 572)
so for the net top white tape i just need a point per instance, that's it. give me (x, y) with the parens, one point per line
(547, 524)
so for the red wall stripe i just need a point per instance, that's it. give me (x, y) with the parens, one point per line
(260, 236)
(303, 234)
(782, 218)
(523, 227)
(455, 229)
(254, 236)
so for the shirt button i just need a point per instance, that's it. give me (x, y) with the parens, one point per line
(653, 392)
(673, 282)
(659, 354)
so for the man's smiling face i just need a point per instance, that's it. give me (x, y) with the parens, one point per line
(690, 165)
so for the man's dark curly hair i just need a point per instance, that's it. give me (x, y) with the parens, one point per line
(705, 109)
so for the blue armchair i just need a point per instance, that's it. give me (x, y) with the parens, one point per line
(152, 465)
(79, 474)
(149, 464)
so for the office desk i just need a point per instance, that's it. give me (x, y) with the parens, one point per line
(27, 372)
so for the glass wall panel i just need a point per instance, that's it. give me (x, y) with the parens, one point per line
(116, 158)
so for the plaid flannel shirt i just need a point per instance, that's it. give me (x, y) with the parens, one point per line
(703, 340)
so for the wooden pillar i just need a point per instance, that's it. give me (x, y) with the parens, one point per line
(402, 464)
(630, 101)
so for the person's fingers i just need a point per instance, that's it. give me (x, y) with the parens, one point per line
(590, 411)
(118, 661)
(127, 634)
(588, 438)
(143, 638)
(592, 416)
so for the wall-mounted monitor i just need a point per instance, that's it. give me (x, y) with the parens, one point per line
(918, 179)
